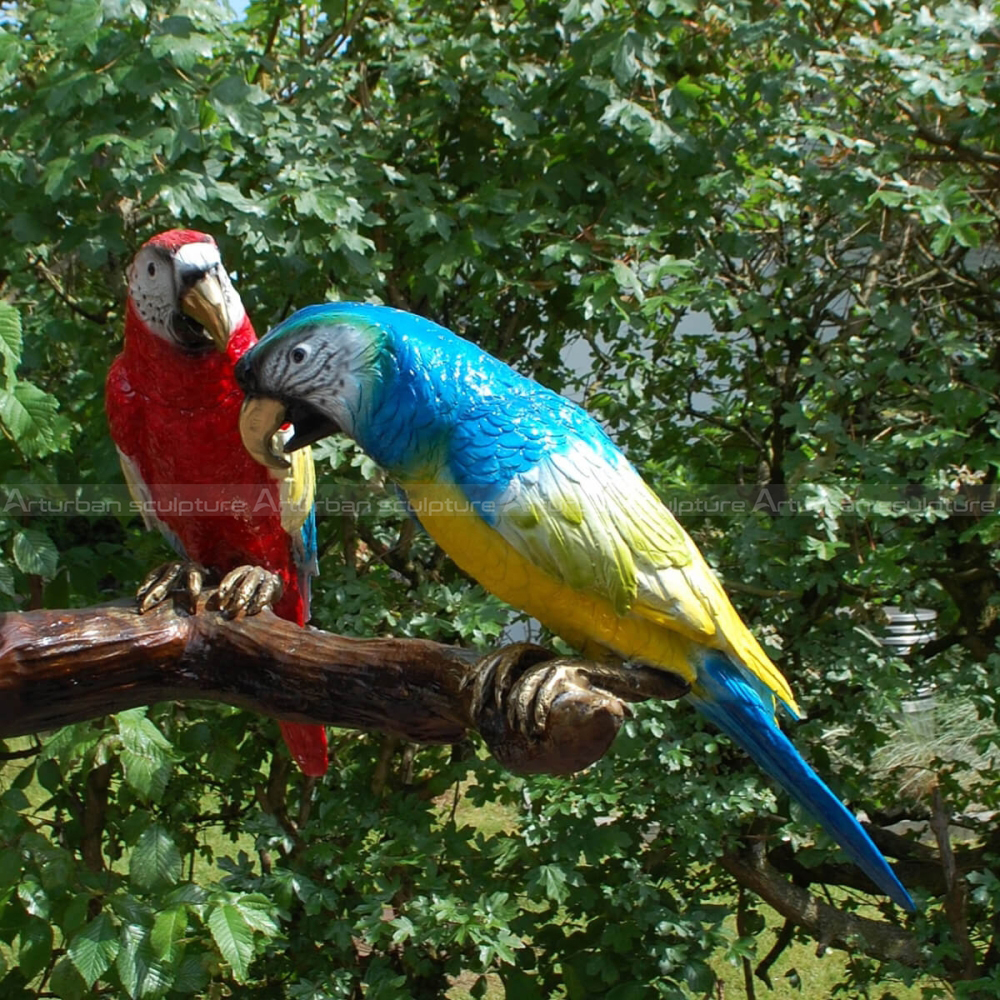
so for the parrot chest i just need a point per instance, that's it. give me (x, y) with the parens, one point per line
(198, 485)
(582, 618)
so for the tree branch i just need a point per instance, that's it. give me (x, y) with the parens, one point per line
(53, 282)
(536, 712)
(827, 924)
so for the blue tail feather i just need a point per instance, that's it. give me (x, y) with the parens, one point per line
(725, 696)
(306, 554)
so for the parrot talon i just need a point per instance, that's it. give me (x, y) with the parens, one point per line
(528, 710)
(520, 684)
(548, 687)
(184, 578)
(540, 714)
(248, 590)
(499, 672)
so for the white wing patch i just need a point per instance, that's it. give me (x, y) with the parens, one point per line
(589, 520)
(146, 503)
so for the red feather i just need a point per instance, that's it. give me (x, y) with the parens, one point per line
(175, 416)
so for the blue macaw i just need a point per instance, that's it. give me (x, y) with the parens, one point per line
(526, 492)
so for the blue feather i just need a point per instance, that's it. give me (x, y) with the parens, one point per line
(306, 554)
(726, 696)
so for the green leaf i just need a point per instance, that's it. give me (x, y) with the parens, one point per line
(146, 754)
(77, 911)
(79, 23)
(234, 937)
(628, 991)
(628, 280)
(551, 879)
(141, 972)
(30, 416)
(7, 580)
(519, 984)
(94, 949)
(34, 947)
(25, 228)
(66, 982)
(155, 863)
(34, 896)
(191, 974)
(167, 936)
(236, 100)
(10, 342)
(257, 910)
(178, 41)
(13, 986)
(35, 554)
(50, 776)
(10, 867)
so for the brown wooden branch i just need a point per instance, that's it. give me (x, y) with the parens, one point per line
(53, 282)
(536, 712)
(828, 925)
(956, 895)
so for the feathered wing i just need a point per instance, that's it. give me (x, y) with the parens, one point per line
(143, 498)
(585, 517)
(298, 519)
(297, 493)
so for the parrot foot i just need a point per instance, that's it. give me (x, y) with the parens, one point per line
(557, 715)
(248, 589)
(541, 715)
(170, 578)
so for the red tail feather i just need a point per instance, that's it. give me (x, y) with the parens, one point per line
(307, 745)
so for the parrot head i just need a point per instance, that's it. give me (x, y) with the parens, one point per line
(182, 293)
(317, 370)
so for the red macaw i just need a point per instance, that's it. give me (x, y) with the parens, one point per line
(173, 406)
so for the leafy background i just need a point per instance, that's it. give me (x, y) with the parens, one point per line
(760, 241)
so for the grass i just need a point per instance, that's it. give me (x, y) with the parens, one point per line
(939, 730)
(802, 972)
(490, 820)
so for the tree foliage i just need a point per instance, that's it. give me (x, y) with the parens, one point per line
(760, 240)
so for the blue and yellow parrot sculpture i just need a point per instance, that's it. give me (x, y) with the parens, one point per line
(527, 494)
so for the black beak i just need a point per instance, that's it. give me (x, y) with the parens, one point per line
(308, 424)
(246, 377)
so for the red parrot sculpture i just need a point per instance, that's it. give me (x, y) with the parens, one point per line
(173, 406)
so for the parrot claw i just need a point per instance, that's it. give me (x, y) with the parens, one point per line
(529, 706)
(248, 589)
(539, 714)
(524, 687)
(499, 673)
(174, 577)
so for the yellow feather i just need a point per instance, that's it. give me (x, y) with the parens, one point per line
(626, 577)
(298, 490)
(583, 619)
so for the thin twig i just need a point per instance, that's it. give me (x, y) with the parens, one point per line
(272, 36)
(955, 896)
(50, 279)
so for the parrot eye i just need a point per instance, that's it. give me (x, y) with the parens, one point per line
(151, 270)
(299, 354)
